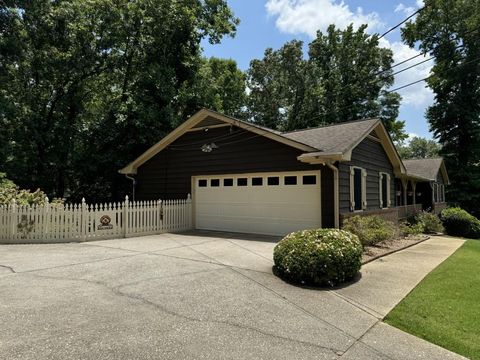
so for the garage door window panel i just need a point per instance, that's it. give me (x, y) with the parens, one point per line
(273, 180)
(242, 182)
(309, 180)
(257, 181)
(290, 180)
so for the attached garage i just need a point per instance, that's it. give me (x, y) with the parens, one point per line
(262, 203)
(247, 178)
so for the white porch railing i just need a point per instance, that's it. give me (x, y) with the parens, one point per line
(86, 222)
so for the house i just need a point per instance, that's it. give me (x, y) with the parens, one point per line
(247, 178)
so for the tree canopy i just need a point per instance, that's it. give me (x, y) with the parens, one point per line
(86, 85)
(449, 31)
(419, 148)
(345, 77)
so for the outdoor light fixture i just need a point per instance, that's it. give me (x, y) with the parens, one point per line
(209, 147)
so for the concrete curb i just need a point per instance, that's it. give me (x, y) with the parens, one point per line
(427, 237)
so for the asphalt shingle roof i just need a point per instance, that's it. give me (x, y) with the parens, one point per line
(336, 138)
(425, 168)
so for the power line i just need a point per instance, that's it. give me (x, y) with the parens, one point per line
(412, 66)
(428, 77)
(423, 53)
(401, 23)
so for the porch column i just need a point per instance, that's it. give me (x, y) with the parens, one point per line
(414, 188)
(405, 188)
(433, 196)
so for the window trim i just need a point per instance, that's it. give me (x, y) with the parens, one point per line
(380, 189)
(363, 187)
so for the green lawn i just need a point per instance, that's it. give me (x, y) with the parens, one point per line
(445, 307)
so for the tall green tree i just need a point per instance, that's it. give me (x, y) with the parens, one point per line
(449, 30)
(218, 84)
(86, 85)
(419, 148)
(345, 77)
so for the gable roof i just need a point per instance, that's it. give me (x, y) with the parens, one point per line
(327, 143)
(337, 138)
(197, 118)
(427, 168)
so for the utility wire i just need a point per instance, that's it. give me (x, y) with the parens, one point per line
(423, 53)
(401, 23)
(428, 77)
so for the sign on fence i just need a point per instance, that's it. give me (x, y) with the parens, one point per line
(86, 222)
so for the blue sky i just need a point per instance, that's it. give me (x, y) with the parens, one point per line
(271, 23)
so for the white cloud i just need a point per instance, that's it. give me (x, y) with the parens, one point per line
(417, 95)
(407, 10)
(308, 16)
(420, 3)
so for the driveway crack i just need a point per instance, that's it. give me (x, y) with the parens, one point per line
(8, 268)
(116, 291)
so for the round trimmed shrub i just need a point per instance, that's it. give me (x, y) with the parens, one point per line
(458, 222)
(318, 257)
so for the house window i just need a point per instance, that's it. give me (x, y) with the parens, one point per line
(358, 188)
(309, 179)
(290, 180)
(273, 180)
(242, 182)
(384, 190)
(202, 183)
(215, 182)
(257, 181)
(435, 193)
(227, 182)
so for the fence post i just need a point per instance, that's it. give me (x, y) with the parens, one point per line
(189, 211)
(125, 217)
(83, 218)
(46, 219)
(13, 216)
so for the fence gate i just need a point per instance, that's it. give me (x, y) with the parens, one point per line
(87, 222)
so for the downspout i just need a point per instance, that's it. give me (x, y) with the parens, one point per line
(133, 185)
(336, 198)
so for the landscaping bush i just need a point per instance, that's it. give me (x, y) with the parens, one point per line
(458, 222)
(407, 229)
(370, 229)
(429, 222)
(318, 257)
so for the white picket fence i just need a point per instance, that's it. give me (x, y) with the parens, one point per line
(86, 222)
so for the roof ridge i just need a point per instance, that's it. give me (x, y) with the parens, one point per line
(329, 125)
(429, 158)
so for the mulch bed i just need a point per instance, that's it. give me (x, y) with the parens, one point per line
(388, 247)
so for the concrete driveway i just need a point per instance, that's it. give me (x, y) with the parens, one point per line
(199, 296)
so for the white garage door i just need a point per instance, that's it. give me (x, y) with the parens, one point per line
(261, 203)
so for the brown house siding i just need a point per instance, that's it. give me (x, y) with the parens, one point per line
(168, 174)
(371, 156)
